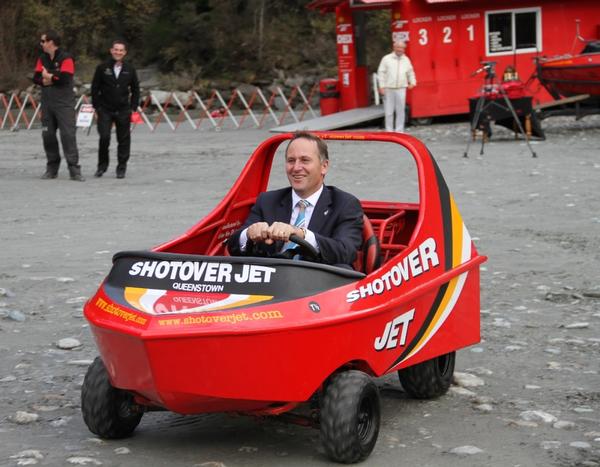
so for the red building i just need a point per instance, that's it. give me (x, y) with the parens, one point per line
(448, 39)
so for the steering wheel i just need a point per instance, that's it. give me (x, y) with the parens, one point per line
(303, 248)
(306, 249)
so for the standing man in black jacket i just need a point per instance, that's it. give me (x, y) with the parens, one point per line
(54, 73)
(115, 95)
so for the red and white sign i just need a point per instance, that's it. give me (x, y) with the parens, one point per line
(85, 117)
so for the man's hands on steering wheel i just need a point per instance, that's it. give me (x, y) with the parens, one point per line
(261, 232)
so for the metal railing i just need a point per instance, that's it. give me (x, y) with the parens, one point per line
(18, 111)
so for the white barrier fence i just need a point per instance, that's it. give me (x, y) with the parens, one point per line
(18, 111)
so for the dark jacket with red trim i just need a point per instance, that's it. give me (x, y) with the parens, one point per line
(62, 68)
(337, 223)
(112, 93)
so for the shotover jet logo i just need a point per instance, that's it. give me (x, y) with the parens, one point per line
(389, 339)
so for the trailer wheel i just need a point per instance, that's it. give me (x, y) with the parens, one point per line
(428, 379)
(422, 121)
(350, 417)
(107, 411)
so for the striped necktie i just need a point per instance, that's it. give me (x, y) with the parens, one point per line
(300, 220)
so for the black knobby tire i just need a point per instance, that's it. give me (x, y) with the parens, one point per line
(429, 379)
(107, 411)
(350, 416)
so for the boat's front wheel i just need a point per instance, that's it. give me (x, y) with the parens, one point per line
(350, 416)
(107, 411)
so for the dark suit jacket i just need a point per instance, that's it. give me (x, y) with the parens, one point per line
(337, 222)
(115, 94)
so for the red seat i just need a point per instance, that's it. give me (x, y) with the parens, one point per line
(368, 258)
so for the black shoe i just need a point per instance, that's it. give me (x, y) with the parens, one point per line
(48, 176)
(121, 174)
(77, 178)
(99, 173)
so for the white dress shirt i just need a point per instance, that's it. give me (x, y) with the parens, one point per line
(309, 236)
(117, 69)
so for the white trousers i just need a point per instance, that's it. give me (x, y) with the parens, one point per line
(395, 101)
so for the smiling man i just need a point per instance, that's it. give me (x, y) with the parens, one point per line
(115, 95)
(330, 219)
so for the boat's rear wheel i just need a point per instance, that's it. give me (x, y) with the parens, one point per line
(429, 379)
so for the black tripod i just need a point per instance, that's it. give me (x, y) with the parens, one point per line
(486, 99)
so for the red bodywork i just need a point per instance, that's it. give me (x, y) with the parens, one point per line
(255, 354)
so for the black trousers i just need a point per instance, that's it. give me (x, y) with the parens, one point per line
(121, 119)
(62, 118)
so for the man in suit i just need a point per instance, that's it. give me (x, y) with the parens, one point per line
(330, 219)
(115, 94)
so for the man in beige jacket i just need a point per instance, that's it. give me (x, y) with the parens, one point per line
(395, 74)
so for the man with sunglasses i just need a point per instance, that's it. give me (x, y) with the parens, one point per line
(54, 73)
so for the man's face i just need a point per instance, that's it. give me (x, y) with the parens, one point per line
(46, 44)
(304, 168)
(399, 49)
(118, 52)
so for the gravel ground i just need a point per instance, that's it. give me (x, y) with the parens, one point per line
(527, 395)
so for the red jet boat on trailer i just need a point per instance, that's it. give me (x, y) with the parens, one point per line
(186, 328)
(568, 76)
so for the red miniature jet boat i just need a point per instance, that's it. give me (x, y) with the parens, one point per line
(188, 329)
(572, 75)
